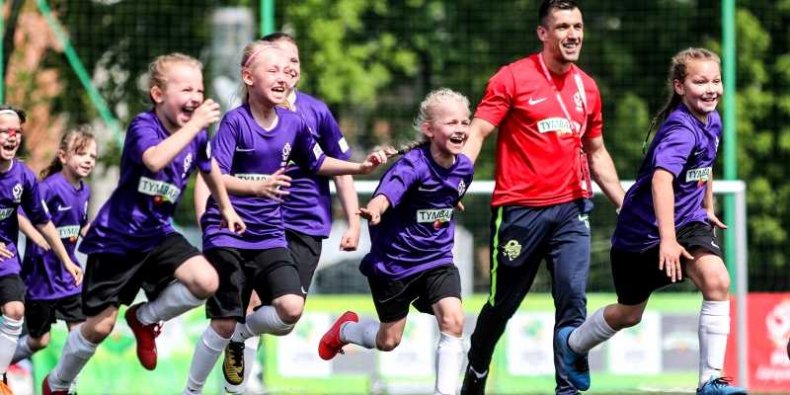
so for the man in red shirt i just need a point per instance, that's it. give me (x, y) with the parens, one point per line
(548, 112)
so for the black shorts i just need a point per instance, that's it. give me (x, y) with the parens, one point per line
(636, 274)
(392, 297)
(305, 252)
(12, 289)
(271, 273)
(41, 314)
(115, 279)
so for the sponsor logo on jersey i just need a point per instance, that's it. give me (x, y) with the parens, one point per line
(700, 176)
(6, 212)
(561, 126)
(432, 215)
(69, 232)
(252, 176)
(160, 190)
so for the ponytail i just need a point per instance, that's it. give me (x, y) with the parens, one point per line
(72, 141)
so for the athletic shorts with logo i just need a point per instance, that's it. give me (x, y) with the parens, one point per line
(393, 297)
(305, 252)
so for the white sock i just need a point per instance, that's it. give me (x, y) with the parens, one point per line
(714, 327)
(250, 351)
(449, 358)
(76, 353)
(208, 349)
(361, 333)
(263, 320)
(22, 351)
(10, 329)
(592, 332)
(175, 300)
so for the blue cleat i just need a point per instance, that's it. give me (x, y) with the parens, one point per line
(720, 386)
(575, 365)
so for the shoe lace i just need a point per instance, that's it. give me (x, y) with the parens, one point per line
(721, 381)
(155, 329)
(236, 353)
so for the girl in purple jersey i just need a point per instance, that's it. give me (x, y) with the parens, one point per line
(412, 234)
(307, 211)
(50, 296)
(132, 240)
(18, 187)
(665, 229)
(254, 144)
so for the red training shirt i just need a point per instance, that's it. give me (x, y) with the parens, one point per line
(538, 160)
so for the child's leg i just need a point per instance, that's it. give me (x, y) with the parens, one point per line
(250, 351)
(207, 351)
(278, 319)
(603, 324)
(80, 346)
(709, 274)
(10, 329)
(196, 281)
(449, 353)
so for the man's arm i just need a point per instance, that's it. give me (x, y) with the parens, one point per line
(603, 171)
(479, 130)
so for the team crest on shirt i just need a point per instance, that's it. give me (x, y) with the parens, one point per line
(461, 188)
(187, 165)
(512, 249)
(17, 192)
(579, 101)
(286, 154)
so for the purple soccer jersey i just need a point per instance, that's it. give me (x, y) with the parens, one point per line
(18, 186)
(137, 216)
(44, 274)
(245, 150)
(685, 147)
(308, 208)
(416, 233)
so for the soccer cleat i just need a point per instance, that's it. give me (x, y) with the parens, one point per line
(575, 365)
(474, 383)
(233, 364)
(145, 336)
(45, 390)
(720, 386)
(330, 343)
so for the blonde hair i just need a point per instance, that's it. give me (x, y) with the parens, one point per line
(435, 98)
(157, 70)
(678, 71)
(426, 113)
(72, 142)
(252, 53)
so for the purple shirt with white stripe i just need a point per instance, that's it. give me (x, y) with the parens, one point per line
(685, 147)
(416, 233)
(44, 274)
(308, 209)
(18, 187)
(245, 150)
(137, 216)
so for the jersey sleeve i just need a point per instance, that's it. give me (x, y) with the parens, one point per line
(674, 149)
(331, 138)
(222, 146)
(397, 180)
(498, 97)
(595, 118)
(140, 137)
(307, 152)
(32, 201)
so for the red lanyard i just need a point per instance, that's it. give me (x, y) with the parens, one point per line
(580, 88)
